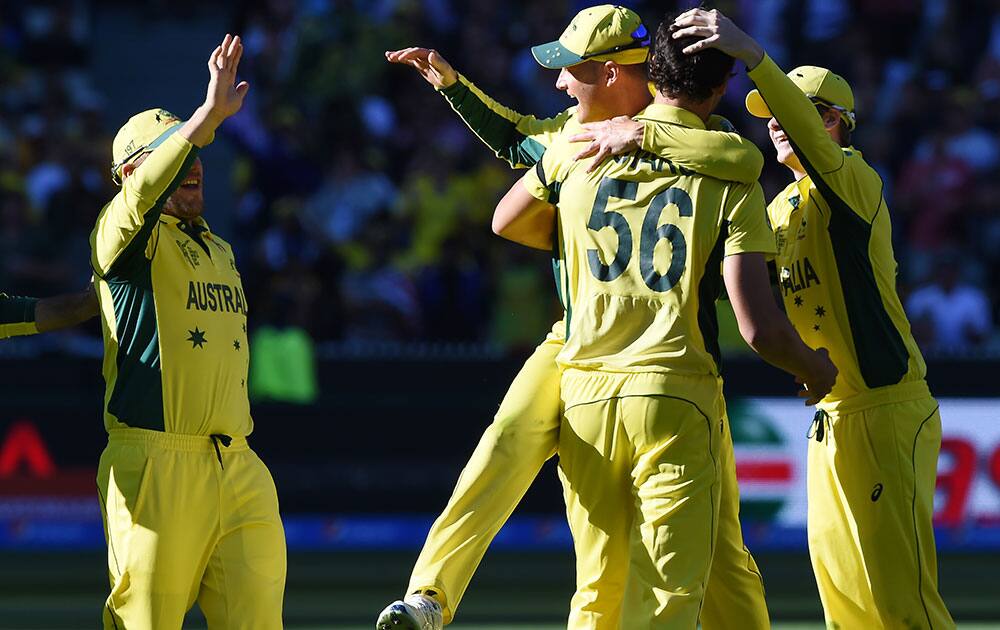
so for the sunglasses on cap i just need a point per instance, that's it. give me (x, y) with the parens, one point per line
(640, 39)
(849, 115)
(116, 167)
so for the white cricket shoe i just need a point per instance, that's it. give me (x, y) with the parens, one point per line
(416, 612)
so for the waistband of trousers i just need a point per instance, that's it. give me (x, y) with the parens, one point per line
(890, 394)
(173, 441)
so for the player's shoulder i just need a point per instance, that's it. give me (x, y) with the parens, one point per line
(558, 160)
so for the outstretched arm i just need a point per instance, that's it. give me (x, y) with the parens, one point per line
(716, 151)
(28, 316)
(518, 139)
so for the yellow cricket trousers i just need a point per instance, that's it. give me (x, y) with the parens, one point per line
(871, 482)
(523, 435)
(639, 461)
(183, 526)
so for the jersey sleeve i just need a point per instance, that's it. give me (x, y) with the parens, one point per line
(544, 180)
(517, 139)
(842, 177)
(17, 316)
(125, 224)
(717, 152)
(748, 229)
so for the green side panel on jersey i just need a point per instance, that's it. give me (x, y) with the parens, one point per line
(882, 355)
(499, 133)
(709, 290)
(137, 398)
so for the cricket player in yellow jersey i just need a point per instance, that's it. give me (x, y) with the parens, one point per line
(642, 244)
(191, 513)
(28, 315)
(525, 430)
(873, 463)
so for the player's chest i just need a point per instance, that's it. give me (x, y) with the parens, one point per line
(195, 273)
(803, 245)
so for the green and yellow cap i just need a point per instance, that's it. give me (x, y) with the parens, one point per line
(820, 85)
(603, 33)
(142, 133)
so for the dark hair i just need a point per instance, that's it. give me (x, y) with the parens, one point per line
(676, 74)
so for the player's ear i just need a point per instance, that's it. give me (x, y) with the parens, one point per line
(127, 169)
(831, 118)
(612, 72)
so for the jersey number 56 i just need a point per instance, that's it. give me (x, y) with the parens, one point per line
(601, 217)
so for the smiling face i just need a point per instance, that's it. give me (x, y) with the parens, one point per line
(188, 201)
(585, 83)
(781, 144)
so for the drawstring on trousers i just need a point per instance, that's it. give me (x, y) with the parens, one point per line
(818, 427)
(226, 441)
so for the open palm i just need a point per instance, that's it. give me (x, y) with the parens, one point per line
(225, 96)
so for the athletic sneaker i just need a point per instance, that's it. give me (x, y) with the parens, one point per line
(416, 612)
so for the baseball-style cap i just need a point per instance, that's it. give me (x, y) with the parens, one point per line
(602, 33)
(142, 133)
(820, 85)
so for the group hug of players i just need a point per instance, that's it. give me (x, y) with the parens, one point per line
(649, 204)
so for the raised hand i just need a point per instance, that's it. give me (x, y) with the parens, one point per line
(225, 96)
(607, 138)
(717, 31)
(434, 68)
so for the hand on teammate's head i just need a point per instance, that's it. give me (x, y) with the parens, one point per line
(715, 30)
(225, 96)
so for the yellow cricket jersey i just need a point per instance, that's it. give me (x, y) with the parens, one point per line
(641, 241)
(173, 309)
(17, 316)
(715, 150)
(836, 265)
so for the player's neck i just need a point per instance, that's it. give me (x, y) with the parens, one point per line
(701, 109)
(626, 101)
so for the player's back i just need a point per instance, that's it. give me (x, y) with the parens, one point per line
(641, 243)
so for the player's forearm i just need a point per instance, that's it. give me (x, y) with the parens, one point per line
(776, 342)
(762, 325)
(64, 311)
(200, 128)
(723, 155)
(517, 139)
(798, 118)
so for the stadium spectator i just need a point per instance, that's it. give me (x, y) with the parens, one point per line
(948, 314)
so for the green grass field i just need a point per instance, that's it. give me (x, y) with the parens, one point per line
(346, 591)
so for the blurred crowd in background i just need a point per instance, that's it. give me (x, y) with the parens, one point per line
(359, 203)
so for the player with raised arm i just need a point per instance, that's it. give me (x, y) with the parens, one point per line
(642, 244)
(525, 431)
(190, 511)
(872, 466)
